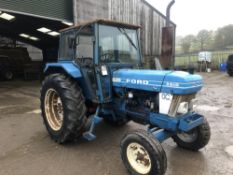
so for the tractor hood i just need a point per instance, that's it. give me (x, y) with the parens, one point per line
(174, 82)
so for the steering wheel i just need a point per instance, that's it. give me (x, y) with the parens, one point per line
(85, 61)
(106, 57)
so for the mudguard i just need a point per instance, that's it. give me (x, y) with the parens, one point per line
(69, 67)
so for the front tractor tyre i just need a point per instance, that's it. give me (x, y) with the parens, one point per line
(142, 154)
(63, 108)
(195, 139)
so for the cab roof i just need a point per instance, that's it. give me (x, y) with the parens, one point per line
(103, 21)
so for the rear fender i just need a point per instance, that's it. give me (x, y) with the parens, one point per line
(67, 68)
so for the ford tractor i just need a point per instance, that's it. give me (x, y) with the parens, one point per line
(99, 77)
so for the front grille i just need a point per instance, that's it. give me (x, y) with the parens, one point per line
(177, 99)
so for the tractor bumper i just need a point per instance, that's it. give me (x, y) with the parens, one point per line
(170, 126)
(190, 122)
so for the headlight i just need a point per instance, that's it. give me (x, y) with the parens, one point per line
(183, 108)
(176, 105)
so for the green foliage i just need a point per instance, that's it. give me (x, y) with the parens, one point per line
(207, 40)
(224, 37)
(203, 39)
(186, 43)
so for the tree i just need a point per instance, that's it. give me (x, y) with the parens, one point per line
(203, 39)
(224, 37)
(186, 43)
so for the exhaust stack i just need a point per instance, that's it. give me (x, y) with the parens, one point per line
(169, 12)
(168, 41)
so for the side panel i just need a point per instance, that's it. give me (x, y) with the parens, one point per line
(69, 67)
(147, 80)
(182, 83)
(171, 82)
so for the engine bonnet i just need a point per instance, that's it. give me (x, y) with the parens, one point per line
(174, 82)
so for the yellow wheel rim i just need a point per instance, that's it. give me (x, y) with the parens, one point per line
(138, 158)
(53, 109)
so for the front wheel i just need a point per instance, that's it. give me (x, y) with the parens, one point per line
(195, 139)
(142, 154)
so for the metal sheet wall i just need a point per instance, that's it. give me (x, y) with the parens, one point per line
(57, 9)
(131, 11)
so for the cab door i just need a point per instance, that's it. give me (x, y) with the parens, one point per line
(103, 72)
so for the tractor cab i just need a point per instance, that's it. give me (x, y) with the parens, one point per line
(98, 48)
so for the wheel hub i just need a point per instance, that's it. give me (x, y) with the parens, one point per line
(188, 137)
(54, 109)
(139, 158)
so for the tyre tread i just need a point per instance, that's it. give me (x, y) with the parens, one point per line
(74, 107)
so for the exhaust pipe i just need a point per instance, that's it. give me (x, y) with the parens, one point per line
(167, 58)
(169, 12)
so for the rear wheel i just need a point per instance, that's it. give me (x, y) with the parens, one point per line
(63, 108)
(194, 139)
(142, 154)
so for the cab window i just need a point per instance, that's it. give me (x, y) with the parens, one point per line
(67, 41)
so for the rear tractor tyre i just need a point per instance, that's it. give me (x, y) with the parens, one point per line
(142, 154)
(195, 139)
(63, 108)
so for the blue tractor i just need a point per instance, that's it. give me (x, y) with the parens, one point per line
(98, 77)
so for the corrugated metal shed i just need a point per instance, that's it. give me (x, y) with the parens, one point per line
(131, 11)
(137, 12)
(56, 9)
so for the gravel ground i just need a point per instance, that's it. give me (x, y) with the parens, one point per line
(26, 148)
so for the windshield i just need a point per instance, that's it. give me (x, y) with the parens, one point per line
(118, 45)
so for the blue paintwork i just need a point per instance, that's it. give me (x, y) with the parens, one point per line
(191, 121)
(173, 124)
(173, 82)
(67, 66)
(178, 82)
(164, 121)
(95, 120)
(154, 77)
(162, 135)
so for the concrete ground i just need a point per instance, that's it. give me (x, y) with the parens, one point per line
(25, 147)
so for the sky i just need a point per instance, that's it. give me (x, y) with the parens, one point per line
(191, 16)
